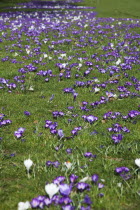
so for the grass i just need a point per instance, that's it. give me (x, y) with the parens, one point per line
(37, 143)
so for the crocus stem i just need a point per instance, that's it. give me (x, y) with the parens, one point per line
(28, 174)
(139, 174)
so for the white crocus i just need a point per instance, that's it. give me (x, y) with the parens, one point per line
(96, 80)
(63, 55)
(96, 90)
(28, 51)
(51, 189)
(16, 54)
(50, 58)
(137, 162)
(80, 65)
(45, 55)
(68, 164)
(28, 163)
(31, 88)
(24, 205)
(119, 184)
(118, 61)
(111, 45)
(87, 178)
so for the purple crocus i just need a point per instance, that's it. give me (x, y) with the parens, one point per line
(73, 178)
(100, 185)
(35, 203)
(90, 118)
(68, 207)
(75, 96)
(60, 133)
(64, 189)
(59, 180)
(69, 150)
(81, 186)
(123, 172)
(87, 200)
(65, 200)
(49, 163)
(95, 178)
(89, 155)
(56, 164)
(117, 138)
(27, 113)
(19, 132)
(122, 169)
(47, 201)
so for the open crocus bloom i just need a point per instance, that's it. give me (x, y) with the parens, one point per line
(51, 189)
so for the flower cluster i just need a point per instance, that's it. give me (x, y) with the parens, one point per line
(59, 192)
(90, 118)
(4, 122)
(19, 133)
(123, 172)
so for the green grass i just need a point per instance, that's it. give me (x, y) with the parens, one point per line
(37, 142)
(112, 8)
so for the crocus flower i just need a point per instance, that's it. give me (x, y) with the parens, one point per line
(64, 189)
(47, 201)
(69, 150)
(100, 185)
(27, 113)
(68, 164)
(73, 178)
(85, 179)
(34, 203)
(117, 138)
(137, 162)
(65, 200)
(19, 132)
(58, 180)
(95, 178)
(122, 169)
(56, 164)
(68, 207)
(28, 163)
(51, 189)
(60, 133)
(75, 96)
(87, 200)
(81, 186)
(24, 205)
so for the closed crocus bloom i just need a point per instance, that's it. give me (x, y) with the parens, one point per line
(95, 178)
(65, 189)
(28, 163)
(51, 189)
(24, 205)
(137, 162)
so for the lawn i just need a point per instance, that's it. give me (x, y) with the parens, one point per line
(70, 105)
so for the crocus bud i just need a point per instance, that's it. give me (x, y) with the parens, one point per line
(28, 163)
